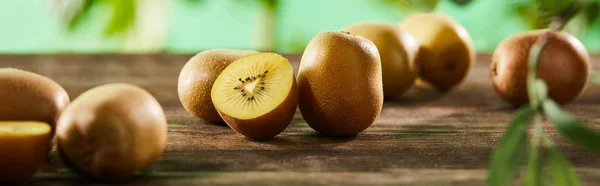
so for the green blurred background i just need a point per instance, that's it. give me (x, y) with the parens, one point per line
(187, 26)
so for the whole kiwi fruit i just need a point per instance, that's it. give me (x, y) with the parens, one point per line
(397, 50)
(446, 51)
(339, 83)
(27, 96)
(111, 131)
(564, 66)
(197, 77)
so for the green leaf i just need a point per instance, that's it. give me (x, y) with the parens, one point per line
(591, 12)
(556, 5)
(510, 151)
(533, 172)
(81, 14)
(562, 171)
(413, 5)
(572, 129)
(534, 167)
(122, 18)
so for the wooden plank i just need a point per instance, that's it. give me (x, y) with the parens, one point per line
(422, 138)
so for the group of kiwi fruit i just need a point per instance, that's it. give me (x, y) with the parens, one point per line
(108, 133)
(111, 131)
(342, 79)
(344, 76)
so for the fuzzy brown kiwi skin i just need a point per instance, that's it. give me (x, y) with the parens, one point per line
(26, 96)
(268, 125)
(397, 50)
(340, 84)
(111, 131)
(197, 77)
(564, 66)
(444, 63)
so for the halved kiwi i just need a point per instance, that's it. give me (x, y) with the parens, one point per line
(23, 147)
(256, 95)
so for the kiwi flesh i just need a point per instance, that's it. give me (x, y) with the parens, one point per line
(340, 84)
(197, 77)
(23, 147)
(257, 95)
(564, 66)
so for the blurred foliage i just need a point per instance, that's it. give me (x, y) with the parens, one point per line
(420, 5)
(414, 5)
(122, 16)
(266, 3)
(542, 13)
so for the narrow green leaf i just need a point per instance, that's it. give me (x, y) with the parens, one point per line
(533, 172)
(571, 128)
(534, 167)
(562, 171)
(510, 151)
(81, 14)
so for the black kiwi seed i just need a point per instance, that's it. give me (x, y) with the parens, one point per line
(244, 95)
(262, 88)
(247, 78)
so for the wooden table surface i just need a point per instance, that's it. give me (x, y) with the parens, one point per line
(422, 138)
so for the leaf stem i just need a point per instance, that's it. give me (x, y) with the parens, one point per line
(534, 58)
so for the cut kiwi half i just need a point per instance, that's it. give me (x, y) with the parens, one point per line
(23, 148)
(257, 95)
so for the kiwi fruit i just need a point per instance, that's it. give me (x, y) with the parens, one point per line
(340, 84)
(23, 148)
(445, 53)
(397, 50)
(564, 66)
(197, 77)
(27, 96)
(257, 95)
(111, 131)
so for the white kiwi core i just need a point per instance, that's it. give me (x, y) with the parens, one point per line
(253, 85)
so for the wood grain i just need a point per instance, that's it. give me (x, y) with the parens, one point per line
(422, 138)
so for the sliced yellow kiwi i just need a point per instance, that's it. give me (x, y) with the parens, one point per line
(256, 95)
(23, 147)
